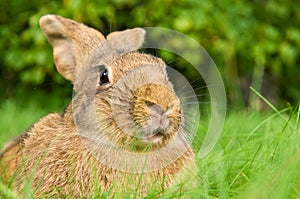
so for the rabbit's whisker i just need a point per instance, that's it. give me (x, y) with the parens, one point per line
(193, 96)
(198, 102)
(182, 90)
(172, 61)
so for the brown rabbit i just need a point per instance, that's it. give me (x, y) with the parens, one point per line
(124, 128)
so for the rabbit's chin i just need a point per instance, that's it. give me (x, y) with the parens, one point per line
(152, 138)
(149, 142)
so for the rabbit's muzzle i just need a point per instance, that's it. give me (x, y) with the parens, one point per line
(157, 110)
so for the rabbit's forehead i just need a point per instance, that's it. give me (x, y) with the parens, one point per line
(133, 60)
(118, 66)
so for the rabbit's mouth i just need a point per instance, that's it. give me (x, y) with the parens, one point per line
(153, 137)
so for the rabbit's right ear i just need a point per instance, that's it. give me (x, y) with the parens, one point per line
(71, 42)
(127, 40)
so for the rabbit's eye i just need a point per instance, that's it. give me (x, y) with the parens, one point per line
(103, 76)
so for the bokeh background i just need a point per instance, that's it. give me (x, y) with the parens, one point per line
(253, 43)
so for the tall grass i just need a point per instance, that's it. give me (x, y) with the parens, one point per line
(257, 155)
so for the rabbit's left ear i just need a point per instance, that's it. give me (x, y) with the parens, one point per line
(71, 42)
(127, 40)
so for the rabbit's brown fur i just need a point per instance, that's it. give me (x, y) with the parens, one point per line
(54, 153)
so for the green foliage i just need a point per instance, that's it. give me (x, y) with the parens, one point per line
(248, 40)
(252, 42)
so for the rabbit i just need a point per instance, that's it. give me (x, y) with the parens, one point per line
(123, 107)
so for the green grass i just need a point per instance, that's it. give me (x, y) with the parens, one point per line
(257, 155)
(18, 114)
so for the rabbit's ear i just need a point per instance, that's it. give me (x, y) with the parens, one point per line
(71, 42)
(127, 40)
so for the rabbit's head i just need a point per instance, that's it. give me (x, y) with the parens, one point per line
(126, 94)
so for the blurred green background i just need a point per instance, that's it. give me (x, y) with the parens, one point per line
(254, 43)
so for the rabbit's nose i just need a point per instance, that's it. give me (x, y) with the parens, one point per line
(156, 108)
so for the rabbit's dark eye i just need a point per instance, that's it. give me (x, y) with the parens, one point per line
(104, 79)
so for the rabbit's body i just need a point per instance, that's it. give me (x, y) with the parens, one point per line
(61, 159)
(61, 165)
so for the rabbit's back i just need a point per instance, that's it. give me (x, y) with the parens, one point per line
(54, 157)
